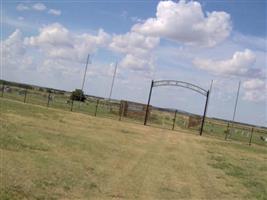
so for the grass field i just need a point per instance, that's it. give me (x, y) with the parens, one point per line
(48, 153)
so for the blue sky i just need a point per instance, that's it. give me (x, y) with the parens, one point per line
(46, 43)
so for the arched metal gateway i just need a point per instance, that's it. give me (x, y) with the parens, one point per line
(179, 84)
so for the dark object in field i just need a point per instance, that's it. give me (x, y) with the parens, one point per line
(77, 95)
(263, 138)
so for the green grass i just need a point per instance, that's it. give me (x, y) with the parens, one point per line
(161, 119)
(49, 153)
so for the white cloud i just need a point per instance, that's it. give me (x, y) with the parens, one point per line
(134, 43)
(137, 49)
(54, 12)
(39, 7)
(20, 18)
(253, 84)
(56, 41)
(14, 52)
(241, 63)
(22, 7)
(185, 22)
(255, 90)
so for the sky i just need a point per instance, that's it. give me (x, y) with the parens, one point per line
(46, 43)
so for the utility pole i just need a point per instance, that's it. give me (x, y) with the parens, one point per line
(236, 101)
(85, 71)
(237, 95)
(113, 80)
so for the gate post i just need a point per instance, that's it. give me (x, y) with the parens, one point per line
(204, 115)
(148, 102)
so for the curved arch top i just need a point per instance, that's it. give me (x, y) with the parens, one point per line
(180, 84)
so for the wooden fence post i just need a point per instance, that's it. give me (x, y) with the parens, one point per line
(121, 110)
(3, 88)
(174, 120)
(227, 131)
(71, 105)
(25, 95)
(48, 99)
(251, 134)
(96, 107)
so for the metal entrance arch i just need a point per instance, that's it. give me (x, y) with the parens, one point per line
(179, 84)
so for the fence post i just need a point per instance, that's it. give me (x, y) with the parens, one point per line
(3, 88)
(97, 102)
(25, 95)
(121, 110)
(251, 134)
(174, 120)
(71, 105)
(227, 130)
(48, 99)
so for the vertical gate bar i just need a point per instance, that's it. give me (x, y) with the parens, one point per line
(96, 107)
(25, 95)
(251, 134)
(148, 102)
(174, 120)
(204, 115)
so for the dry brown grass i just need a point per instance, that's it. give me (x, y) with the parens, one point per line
(53, 154)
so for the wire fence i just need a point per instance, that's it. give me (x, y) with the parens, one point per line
(135, 112)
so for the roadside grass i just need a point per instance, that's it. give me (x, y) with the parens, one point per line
(48, 153)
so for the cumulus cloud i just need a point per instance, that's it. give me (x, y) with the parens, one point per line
(253, 84)
(14, 52)
(38, 7)
(58, 42)
(22, 7)
(137, 49)
(241, 63)
(185, 22)
(54, 12)
(255, 90)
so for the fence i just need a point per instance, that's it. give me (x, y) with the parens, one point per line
(135, 112)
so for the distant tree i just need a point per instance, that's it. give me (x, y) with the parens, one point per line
(48, 90)
(77, 95)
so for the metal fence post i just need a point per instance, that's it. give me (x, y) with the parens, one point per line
(251, 134)
(174, 120)
(96, 107)
(25, 95)
(48, 99)
(71, 105)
